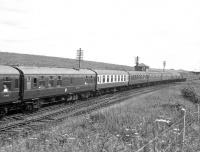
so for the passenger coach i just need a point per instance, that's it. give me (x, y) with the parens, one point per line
(108, 80)
(44, 84)
(29, 87)
(9, 85)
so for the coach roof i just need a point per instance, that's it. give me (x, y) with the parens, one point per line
(4, 70)
(111, 72)
(53, 71)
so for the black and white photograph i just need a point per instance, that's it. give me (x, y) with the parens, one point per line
(99, 76)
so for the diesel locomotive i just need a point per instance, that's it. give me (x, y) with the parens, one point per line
(28, 88)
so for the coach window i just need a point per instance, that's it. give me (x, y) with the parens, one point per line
(108, 78)
(104, 78)
(50, 84)
(122, 78)
(111, 78)
(34, 82)
(6, 84)
(16, 83)
(59, 81)
(41, 82)
(100, 79)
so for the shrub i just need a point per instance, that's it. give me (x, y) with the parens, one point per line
(190, 93)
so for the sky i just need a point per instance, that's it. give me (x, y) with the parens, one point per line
(111, 31)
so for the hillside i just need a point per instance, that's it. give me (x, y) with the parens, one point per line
(36, 60)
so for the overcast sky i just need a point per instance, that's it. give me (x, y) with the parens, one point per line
(112, 31)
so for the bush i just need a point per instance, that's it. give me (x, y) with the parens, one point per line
(190, 93)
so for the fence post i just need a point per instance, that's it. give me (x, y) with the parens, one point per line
(182, 129)
(198, 113)
(155, 129)
(184, 113)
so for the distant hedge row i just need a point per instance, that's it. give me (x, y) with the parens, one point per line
(190, 93)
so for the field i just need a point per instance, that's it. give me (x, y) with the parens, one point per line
(36, 60)
(127, 126)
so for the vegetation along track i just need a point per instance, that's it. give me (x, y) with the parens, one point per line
(27, 124)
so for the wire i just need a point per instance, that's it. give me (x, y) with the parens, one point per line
(188, 124)
(172, 141)
(159, 135)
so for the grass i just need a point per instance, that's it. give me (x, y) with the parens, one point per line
(37, 60)
(123, 127)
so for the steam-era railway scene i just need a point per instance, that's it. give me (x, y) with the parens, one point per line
(99, 76)
(38, 98)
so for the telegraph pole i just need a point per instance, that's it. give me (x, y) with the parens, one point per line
(164, 64)
(136, 63)
(79, 57)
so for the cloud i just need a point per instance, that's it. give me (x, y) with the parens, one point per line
(10, 23)
(13, 40)
(14, 10)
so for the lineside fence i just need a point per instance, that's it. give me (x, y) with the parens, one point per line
(182, 135)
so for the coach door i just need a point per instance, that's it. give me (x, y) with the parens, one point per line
(28, 83)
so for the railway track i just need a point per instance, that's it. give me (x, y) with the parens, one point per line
(30, 123)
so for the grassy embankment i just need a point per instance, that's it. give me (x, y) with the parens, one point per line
(37, 60)
(123, 127)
